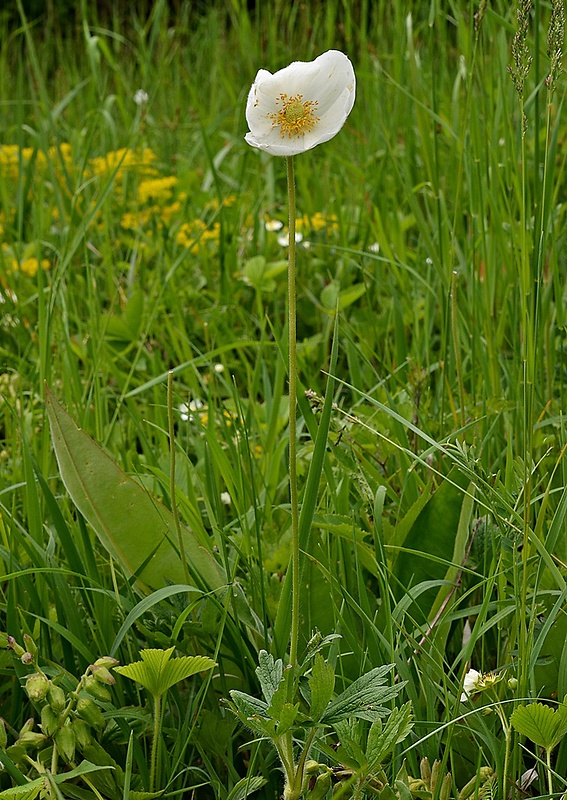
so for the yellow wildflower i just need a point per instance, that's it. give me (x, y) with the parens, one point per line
(156, 188)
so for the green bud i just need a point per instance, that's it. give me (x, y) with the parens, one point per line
(49, 720)
(17, 648)
(96, 689)
(56, 698)
(512, 684)
(106, 661)
(322, 785)
(82, 733)
(446, 787)
(103, 675)
(26, 658)
(65, 741)
(435, 770)
(37, 686)
(311, 767)
(32, 739)
(88, 710)
(31, 646)
(3, 734)
(27, 726)
(484, 774)
(425, 771)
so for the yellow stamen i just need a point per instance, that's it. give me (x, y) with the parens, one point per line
(296, 116)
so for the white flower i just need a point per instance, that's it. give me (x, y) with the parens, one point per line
(274, 225)
(283, 240)
(300, 106)
(141, 97)
(218, 368)
(225, 498)
(471, 684)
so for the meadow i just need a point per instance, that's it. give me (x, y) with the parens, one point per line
(146, 536)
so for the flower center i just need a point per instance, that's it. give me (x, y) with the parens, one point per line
(296, 115)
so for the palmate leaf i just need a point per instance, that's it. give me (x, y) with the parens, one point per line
(542, 724)
(157, 671)
(136, 529)
(382, 738)
(364, 697)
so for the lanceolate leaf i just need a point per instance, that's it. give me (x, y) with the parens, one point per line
(157, 671)
(135, 528)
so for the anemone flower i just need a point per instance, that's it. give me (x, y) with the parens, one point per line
(300, 106)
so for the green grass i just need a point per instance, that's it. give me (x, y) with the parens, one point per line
(444, 472)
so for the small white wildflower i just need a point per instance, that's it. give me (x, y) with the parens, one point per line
(141, 97)
(274, 225)
(470, 684)
(225, 498)
(184, 411)
(283, 240)
(218, 368)
(374, 248)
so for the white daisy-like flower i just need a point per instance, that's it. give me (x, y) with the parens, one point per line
(225, 498)
(300, 106)
(471, 684)
(274, 225)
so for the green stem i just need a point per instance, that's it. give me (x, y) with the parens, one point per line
(155, 741)
(172, 496)
(549, 771)
(292, 377)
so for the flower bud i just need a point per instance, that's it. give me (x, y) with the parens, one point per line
(31, 646)
(17, 648)
(56, 698)
(96, 689)
(65, 741)
(49, 720)
(82, 732)
(32, 739)
(103, 675)
(512, 684)
(88, 710)
(37, 686)
(27, 657)
(106, 661)
(27, 726)
(321, 788)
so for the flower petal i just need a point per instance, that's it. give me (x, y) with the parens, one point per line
(326, 87)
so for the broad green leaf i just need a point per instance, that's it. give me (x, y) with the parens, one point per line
(364, 697)
(382, 738)
(269, 674)
(246, 787)
(322, 684)
(430, 542)
(542, 724)
(135, 528)
(157, 671)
